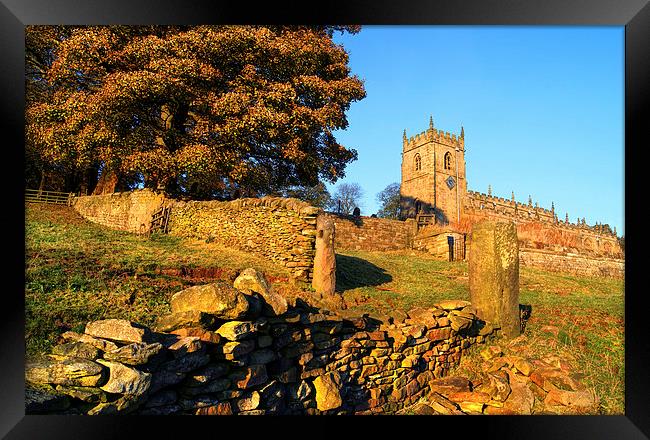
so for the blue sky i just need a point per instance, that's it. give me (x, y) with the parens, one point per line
(542, 108)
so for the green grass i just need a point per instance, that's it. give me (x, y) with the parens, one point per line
(382, 282)
(77, 271)
(588, 312)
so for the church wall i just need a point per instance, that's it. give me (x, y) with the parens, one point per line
(538, 228)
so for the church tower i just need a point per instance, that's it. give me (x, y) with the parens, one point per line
(433, 175)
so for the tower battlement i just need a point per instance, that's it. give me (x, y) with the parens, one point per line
(478, 201)
(433, 174)
(433, 135)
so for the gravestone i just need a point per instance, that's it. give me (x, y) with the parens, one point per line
(494, 274)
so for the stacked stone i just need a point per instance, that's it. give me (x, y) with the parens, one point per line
(127, 211)
(284, 230)
(573, 263)
(511, 385)
(371, 234)
(241, 349)
(106, 370)
(391, 368)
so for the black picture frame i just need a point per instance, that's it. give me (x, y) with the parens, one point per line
(15, 14)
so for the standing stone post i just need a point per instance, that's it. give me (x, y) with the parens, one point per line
(324, 277)
(494, 274)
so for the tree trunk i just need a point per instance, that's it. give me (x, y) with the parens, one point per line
(72, 182)
(41, 185)
(172, 121)
(107, 182)
(90, 180)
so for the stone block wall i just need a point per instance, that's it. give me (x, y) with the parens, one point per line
(573, 263)
(371, 234)
(284, 230)
(583, 251)
(304, 361)
(536, 229)
(129, 211)
(437, 245)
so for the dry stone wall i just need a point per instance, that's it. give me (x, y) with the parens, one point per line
(301, 361)
(573, 263)
(129, 211)
(284, 230)
(372, 234)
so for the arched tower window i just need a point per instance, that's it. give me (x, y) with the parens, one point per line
(447, 160)
(418, 162)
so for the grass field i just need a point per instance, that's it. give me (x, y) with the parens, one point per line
(586, 313)
(77, 271)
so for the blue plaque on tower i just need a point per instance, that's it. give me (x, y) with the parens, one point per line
(451, 182)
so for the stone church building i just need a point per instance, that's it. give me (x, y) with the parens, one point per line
(434, 193)
(433, 175)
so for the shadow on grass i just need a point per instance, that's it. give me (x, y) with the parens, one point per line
(354, 272)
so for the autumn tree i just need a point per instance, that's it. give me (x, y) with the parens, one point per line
(202, 111)
(39, 55)
(346, 197)
(389, 201)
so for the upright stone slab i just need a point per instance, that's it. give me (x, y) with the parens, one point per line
(324, 278)
(494, 274)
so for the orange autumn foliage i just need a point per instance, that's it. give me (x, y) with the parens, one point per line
(205, 111)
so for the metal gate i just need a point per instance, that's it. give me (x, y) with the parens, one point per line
(459, 249)
(456, 248)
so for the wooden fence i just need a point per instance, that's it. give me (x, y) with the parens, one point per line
(160, 220)
(55, 197)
